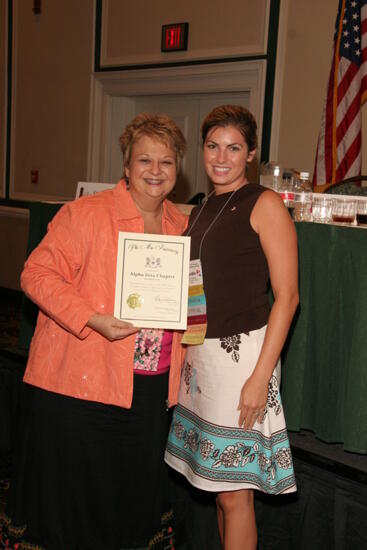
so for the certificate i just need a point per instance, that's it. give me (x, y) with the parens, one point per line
(152, 280)
(90, 188)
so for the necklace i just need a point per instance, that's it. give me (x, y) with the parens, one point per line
(213, 221)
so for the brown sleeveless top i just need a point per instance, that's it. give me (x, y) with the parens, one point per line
(235, 269)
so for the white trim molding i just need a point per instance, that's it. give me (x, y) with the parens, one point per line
(12, 212)
(241, 76)
(279, 80)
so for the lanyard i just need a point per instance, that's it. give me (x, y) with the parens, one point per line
(197, 319)
(214, 219)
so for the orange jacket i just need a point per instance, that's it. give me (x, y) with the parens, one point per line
(71, 275)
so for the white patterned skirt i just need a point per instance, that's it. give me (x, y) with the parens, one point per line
(205, 443)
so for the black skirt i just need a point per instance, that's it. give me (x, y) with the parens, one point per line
(91, 476)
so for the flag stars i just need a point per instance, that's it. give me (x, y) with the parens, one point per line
(346, 45)
(353, 4)
(354, 16)
(356, 28)
(356, 40)
(345, 21)
(345, 33)
(358, 52)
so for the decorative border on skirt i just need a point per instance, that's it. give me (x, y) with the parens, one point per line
(221, 454)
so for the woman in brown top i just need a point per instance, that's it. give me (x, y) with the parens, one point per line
(228, 433)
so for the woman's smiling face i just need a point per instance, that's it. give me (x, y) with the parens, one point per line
(152, 169)
(225, 157)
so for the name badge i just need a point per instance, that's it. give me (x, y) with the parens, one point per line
(196, 311)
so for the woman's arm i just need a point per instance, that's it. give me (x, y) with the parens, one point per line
(49, 276)
(50, 270)
(270, 219)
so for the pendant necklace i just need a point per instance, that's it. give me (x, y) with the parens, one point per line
(197, 318)
(215, 218)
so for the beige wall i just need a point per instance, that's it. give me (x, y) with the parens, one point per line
(52, 68)
(52, 65)
(307, 63)
(51, 81)
(53, 62)
(132, 30)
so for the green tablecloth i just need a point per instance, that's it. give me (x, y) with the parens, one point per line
(324, 387)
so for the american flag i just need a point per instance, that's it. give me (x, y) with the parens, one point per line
(339, 146)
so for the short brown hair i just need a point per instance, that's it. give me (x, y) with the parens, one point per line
(232, 115)
(157, 126)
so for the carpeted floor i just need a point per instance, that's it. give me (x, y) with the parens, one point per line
(10, 312)
(12, 363)
(321, 459)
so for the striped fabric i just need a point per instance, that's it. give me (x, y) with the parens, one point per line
(339, 146)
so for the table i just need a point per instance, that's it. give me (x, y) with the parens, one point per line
(323, 389)
(324, 386)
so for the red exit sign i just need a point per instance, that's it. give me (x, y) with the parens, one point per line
(174, 37)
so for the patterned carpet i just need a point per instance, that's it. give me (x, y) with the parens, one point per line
(317, 465)
(10, 313)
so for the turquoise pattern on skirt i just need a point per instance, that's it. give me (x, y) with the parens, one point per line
(227, 454)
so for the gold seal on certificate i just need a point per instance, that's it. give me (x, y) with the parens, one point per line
(152, 280)
(134, 300)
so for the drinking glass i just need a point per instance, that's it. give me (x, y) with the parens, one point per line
(344, 211)
(362, 212)
(322, 209)
(302, 207)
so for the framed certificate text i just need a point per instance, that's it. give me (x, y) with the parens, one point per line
(152, 280)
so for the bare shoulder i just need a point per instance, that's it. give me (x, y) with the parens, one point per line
(269, 210)
(270, 200)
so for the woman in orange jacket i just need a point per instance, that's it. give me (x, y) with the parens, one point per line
(89, 471)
